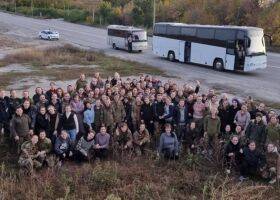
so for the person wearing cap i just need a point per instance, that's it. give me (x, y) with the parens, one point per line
(256, 131)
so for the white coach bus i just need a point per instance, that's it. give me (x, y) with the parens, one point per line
(221, 47)
(127, 37)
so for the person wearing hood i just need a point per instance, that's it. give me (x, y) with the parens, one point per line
(256, 131)
(83, 147)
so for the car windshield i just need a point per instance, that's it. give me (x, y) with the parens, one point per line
(139, 36)
(256, 43)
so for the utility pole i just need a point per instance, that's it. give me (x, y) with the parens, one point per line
(32, 7)
(154, 12)
(15, 6)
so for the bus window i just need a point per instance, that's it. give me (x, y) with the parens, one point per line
(225, 34)
(206, 33)
(188, 31)
(139, 36)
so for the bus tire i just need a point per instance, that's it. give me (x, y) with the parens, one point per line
(139, 51)
(218, 64)
(171, 56)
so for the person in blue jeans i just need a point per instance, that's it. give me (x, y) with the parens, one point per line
(69, 123)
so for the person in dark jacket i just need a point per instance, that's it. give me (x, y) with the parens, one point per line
(181, 119)
(233, 109)
(54, 101)
(158, 110)
(168, 111)
(98, 115)
(36, 97)
(147, 115)
(30, 111)
(256, 131)
(14, 102)
(232, 154)
(42, 122)
(252, 161)
(54, 118)
(128, 113)
(51, 91)
(224, 115)
(63, 146)
(193, 138)
(4, 113)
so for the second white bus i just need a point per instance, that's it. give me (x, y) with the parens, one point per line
(127, 37)
(221, 47)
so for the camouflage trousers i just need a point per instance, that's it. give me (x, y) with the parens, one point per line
(28, 165)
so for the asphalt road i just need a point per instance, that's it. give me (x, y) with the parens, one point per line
(261, 84)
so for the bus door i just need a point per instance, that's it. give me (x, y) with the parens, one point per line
(187, 51)
(230, 58)
(182, 51)
(239, 54)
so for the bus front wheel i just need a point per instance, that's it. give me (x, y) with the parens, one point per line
(218, 64)
(171, 56)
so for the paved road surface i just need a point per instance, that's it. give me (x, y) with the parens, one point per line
(262, 84)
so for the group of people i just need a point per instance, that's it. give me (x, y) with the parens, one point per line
(101, 118)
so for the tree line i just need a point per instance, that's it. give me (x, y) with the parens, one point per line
(261, 13)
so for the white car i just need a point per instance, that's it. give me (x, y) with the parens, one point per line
(49, 35)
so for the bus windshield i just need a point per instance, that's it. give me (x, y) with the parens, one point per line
(256, 44)
(139, 36)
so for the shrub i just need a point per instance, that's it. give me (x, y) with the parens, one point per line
(76, 15)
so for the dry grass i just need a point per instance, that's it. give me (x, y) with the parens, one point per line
(7, 42)
(139, 178)
(70, 55)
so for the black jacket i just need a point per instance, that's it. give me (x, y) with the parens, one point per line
(257, 132)
(42, 123)
(177, 115)
(158, 108)
(146, 112)
(253, 158)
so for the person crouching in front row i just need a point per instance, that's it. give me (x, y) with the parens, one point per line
(168, 145)
(63, 146)
(83, 147)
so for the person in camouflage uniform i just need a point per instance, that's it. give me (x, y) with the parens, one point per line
(28, 159)
(98, 115)
(123, 140)
(272, 168)
(108, 114)
(45, 147)
(118, 108)
(141, 139)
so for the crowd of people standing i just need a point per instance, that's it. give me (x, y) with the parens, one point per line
(101, 117)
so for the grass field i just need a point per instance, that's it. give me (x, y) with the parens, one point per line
(66, 56)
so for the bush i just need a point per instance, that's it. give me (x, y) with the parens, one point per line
(76, 15)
